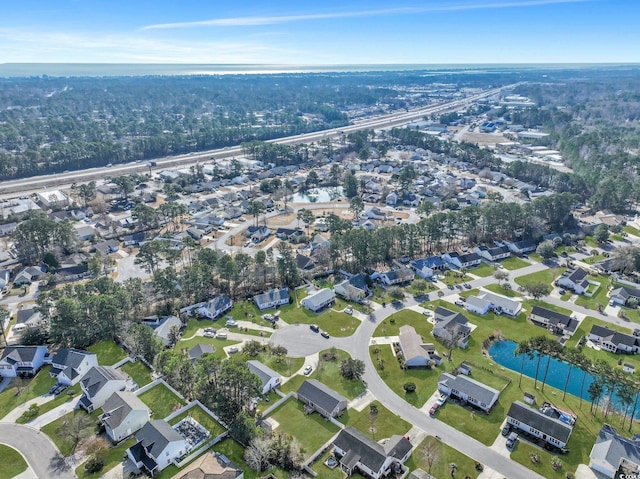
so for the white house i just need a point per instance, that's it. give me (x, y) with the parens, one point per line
(268, 377)
(451, 326)
(357, 452)
(622, 294)
(416, 353)
(164, 327)
(123, 414)
(484, 302)
(98, 385)
(391, 199)
(521, 247)
(614, 341)
(21, 360)
(575, 280)
(354, 288)
(427, 267)
(157, 446)
(494, 254)
(467, 389)
(27, 318)
(272, 298)
(320, 299)
(550, 429)
(397, 276)
(466, 260)
(613, 453)
(216, 307)
(70, 365)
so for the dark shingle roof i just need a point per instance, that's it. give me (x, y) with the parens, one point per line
(320, 394)
(534, 418)
(361, 448)
(97, 377)
(118, 406)
(156, 435)
(263, 372)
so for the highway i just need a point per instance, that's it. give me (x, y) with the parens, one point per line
(10, 188)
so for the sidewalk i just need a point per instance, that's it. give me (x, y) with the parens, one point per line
(49, 417)
(18, 411)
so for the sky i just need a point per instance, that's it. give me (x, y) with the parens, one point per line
(326, 32)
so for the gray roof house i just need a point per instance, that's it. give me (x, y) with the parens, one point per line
(123, 413)
(162, 327)
(27, 318)
(622, 294)
(157, 446)
(357, 452)
(614, 341)
(451, 326)
(215, 307)
(612, 453)
(415, 352)
(575, 280)
(98, 385)
(21, 360)
(272, 298)
(28, 275)
(199, 350)
(320, 299)
(69, 365)
(484, 302)
(467, 389)
(555, 322)
(268, 377)
(318, 397)
(530, 420)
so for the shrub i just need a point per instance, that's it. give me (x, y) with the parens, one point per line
(93, 465)
(409, 387)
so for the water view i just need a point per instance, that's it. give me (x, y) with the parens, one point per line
(318, 195)
(503, 353)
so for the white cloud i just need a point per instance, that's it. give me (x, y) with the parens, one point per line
(273, 20)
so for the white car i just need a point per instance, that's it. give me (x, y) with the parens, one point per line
(231, 323)
(233, 350)
(348, 309)
(209, 334)
(307, 370)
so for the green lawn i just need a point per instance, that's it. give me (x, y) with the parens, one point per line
(30, 388)
(535, 257)
(324, 471)
(391, 325)
(286, 367)
(386, 423)
(311, 430)
(56, 430)
(443, 456)
(522, 453)
(217, 344)
(594, 258)
(139, 372)
(335, 323)
(483, 270)
(161, 400)
(197, 413)
(495, 288)
(294, 383)
(66, 396)
(631, 230)
(11, 462)
(328, 372)
(600, 297)
(513, 262)
(112, 459)
(546, 276)
(452, 278)
(108, 352)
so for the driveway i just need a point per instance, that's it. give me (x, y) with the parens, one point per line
(39, 451)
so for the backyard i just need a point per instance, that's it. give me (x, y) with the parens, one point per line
(197, 413)
(441, 456)
(108, 352)
(138, 371)
(161, 401)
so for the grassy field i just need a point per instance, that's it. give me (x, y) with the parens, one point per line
(522, 453)
(600, 297)
(335, 323)
(11, 462)
(161, 400)
(443, 456)
(217, 344)
(546, 276)
(138, 371)
(311, 430)
(324, 471)
(451, 278)
(513, 262)
(328, 372)
(39, 385)
(391, 325)
(495, 288)
(631, 230)
(111, 460)
(483, 270)
(197, 413)
(56, 430)
(386, 424)
(286, 367)
(108, 352)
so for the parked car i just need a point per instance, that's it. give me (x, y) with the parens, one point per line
(233, 350)
(307, 370)
(324, 334)
(512, 439)
(467, 285)
(314, 328)
(60, 389)
(459, 302)
(434, 409)
(231, 322)
(506, 430)
(562, 291)
(348, 309)
(209, 330)
(221, 335)
(441, 400)
(210, 334)
(426, 312)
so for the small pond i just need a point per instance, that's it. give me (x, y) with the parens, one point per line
(318, 195)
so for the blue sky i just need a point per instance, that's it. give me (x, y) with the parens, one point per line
(320, 33)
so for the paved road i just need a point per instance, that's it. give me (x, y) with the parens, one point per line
(38, 450)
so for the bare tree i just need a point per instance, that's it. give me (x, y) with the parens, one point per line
(430, 453)
(258, 453)
(373, 415)
(74, 429)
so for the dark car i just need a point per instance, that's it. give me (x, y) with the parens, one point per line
(314, 328)
(324, 334)
(506, 430)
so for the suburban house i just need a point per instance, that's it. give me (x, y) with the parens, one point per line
(614, 455)
(622, 294)
(531, 421)
(211, 465)
(354, 288)
(69, 365)
(320, 299)
(494, 254)
(27, 318)
(123, 413)
(21, 360)
(397, 276)
(318, 397)
(28, 275)
(555, 322)
(289, 234)
(451, 326)
(574, 279)
(485, 302)
(272, 298)
(357, 452)
(305, 263)
(157, 446)
(268, 377)
(426, 267)
(98, 385)
(464, 388)
(163, 326)
(521, 247)
(258, 233)
(466, 260)
(614, 341)
(135, 239)
(72, 273)
(216, 307)
(415, 352)
(391, 199)
(199, 350)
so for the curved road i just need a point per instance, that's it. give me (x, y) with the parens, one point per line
(39, 451)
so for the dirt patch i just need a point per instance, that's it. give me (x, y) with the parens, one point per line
(280, 220)
(483, 138)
